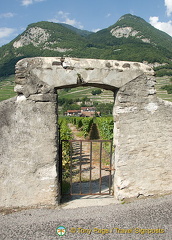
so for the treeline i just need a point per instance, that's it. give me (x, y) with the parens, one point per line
(164, 70)
(168, 88)
(72, 104)
(76, 104)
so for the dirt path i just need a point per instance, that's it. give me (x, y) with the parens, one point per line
(88, 174)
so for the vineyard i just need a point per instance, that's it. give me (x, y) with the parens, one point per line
(104, 126)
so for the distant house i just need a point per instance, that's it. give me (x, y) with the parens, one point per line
(88, 111)
(73, 113)
(84, 112)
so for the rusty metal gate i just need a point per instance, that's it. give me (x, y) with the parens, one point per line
(86, 167)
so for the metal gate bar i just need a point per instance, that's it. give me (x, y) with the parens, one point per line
(100, 180)
(80, 168)
(110, 170)
(90, 166)
(70, 167)
(90, 172)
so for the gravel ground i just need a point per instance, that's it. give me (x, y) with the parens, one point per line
(98, 222)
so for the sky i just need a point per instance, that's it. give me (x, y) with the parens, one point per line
(92, 15)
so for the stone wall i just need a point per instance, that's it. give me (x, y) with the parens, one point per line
(28, 150)
(143, 138)
(28, 129)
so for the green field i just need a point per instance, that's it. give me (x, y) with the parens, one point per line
(162, 81)
(81, 92)
(7, 87)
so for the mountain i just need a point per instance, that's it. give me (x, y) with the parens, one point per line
(78, 31)
(44, 39)
(130, 38)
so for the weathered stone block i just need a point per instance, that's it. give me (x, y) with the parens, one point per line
(28, 153)
(143, 143)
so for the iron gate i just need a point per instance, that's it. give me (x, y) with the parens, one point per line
(86, 165)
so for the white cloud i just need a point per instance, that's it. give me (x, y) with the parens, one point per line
(6, 32)
(163, 26)
(168, 4)
(63, 14)
(7, 15)
(29, 2)
(108, 15)
(63, 17)
(26, 2)
(39, 0)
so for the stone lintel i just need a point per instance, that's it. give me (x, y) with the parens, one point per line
(55, 72)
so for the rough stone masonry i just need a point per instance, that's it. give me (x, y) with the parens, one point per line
(29, 131)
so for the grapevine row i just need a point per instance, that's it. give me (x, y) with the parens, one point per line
(82, 123)
(65, 134)
(105, 126)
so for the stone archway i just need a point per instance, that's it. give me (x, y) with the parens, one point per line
(142, 156)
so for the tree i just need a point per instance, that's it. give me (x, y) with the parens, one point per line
(96, 92)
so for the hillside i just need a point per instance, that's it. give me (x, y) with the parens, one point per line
(40, 39)
(75, 98)
(130, 38)
(78, 31)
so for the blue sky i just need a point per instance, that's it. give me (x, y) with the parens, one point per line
(92, 15)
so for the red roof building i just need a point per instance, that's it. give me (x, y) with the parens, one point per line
(73, 113)
(84, 112)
